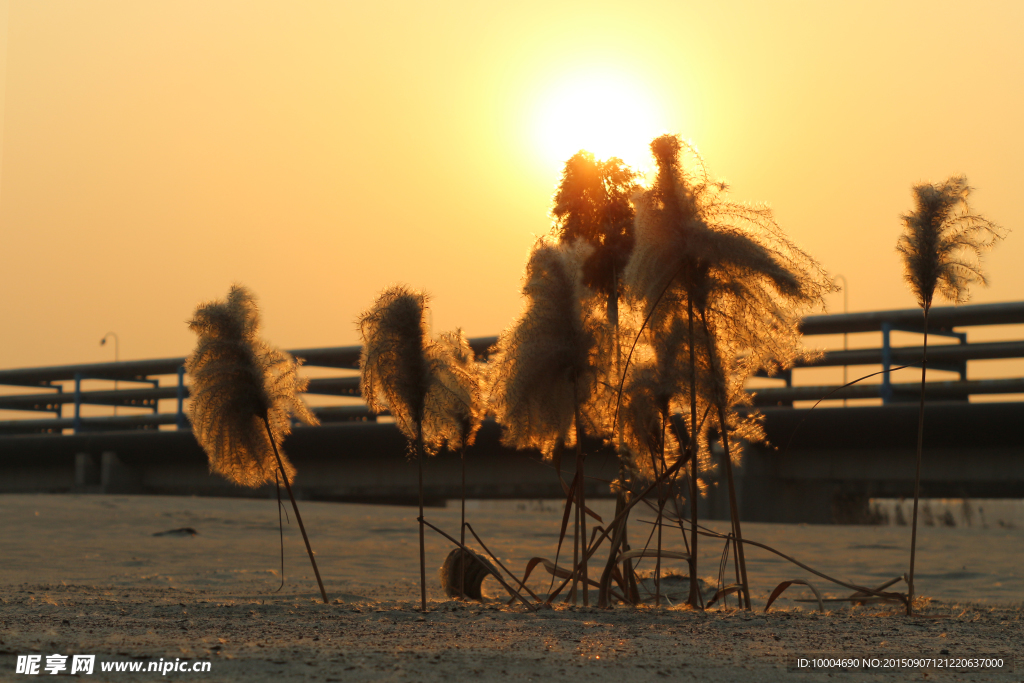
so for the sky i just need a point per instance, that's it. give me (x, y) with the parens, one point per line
(154, 153)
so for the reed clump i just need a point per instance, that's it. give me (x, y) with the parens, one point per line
(728, 270)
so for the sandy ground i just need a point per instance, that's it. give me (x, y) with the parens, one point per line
(86, 576)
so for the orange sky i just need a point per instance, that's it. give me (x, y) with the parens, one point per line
(156, 152)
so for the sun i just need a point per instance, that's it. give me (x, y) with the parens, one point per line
(607, 115)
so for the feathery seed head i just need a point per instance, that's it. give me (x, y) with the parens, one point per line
(547, 362)
(731, 259)
(453, 408)
(393, 362)
(746, 283)
(943, 241)
(237, 379)
(593, 203)
(666, 150)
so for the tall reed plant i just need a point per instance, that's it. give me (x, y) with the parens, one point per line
(593, 204)
(740, 279)
(395, 375)
(244, 394)
(432, 389)
(547, 367)
(941, 246)
(454, 411)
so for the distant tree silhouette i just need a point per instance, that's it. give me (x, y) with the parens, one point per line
(941, 247)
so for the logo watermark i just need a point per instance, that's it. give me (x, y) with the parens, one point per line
(34, 665)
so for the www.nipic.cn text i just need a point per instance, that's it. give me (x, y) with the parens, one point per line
(86, 664)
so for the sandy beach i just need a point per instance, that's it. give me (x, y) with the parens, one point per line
(86, 575)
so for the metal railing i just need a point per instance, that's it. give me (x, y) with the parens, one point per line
(950, 357)
(942, 321)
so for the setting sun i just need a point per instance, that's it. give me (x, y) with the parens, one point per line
(606, 115)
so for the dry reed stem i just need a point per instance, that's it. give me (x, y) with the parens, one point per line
(298, 517)
(786, 584)
(505, 585)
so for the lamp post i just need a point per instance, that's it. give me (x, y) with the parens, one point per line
(117, 357)
(846, 309)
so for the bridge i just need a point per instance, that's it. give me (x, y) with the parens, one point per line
(822, 465)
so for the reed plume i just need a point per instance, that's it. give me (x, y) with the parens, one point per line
(549, 361)
(941, 247)
(659, 382)
(453, 406)
(741, 280)
(593, 204)
(547, 367)
(394, 360)
(244, 393)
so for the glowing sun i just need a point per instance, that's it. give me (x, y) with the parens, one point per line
(603, 114)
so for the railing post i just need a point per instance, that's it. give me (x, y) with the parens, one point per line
(886, 390)
(77, 424)
(180, 418)
(962, 366)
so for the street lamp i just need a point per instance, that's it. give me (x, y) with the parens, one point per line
(117, 358)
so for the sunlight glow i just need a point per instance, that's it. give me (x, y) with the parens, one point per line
(606, 115)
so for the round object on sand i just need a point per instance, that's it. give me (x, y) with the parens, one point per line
(475, 568)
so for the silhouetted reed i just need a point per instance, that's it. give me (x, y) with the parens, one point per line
(736, 274)
(432, 388)
(453, 412)
(547, 366)
(593, 204)
(395, 375)
(244, 394)
(941, 247)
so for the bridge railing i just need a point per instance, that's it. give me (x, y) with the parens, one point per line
(150, 372)
(950, 357)
(51, 396)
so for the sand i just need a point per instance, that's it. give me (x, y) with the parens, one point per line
(85, 575)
